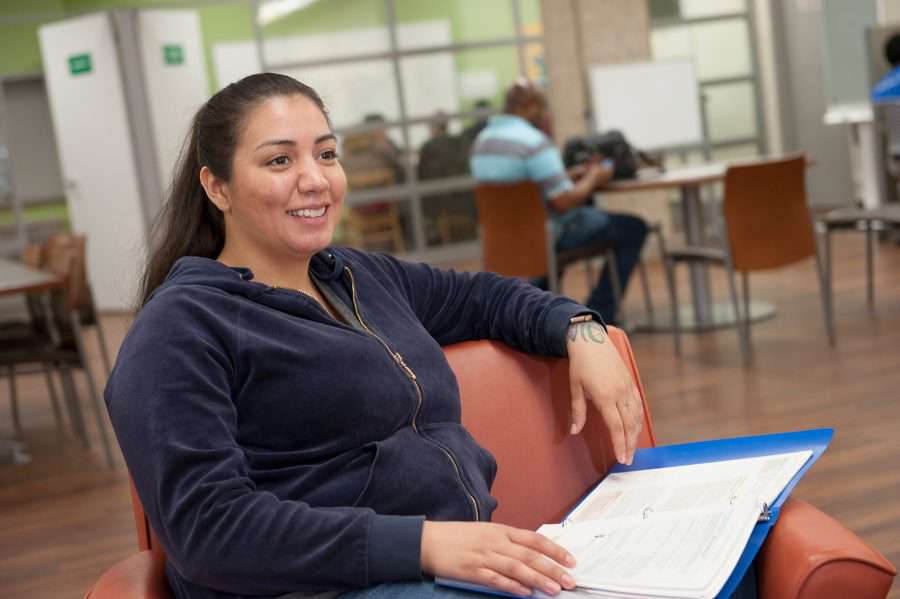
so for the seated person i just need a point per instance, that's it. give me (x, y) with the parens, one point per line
(513, 148)
(888, 87)
(284, 407)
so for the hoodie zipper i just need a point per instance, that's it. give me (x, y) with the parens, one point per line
(401, 363)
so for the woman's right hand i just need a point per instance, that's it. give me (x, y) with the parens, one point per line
(509, 559)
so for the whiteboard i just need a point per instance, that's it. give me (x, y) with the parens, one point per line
(655, 104)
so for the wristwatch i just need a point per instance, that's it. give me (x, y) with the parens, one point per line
(581, 318)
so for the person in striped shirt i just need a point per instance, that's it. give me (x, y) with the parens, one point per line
(513, 148)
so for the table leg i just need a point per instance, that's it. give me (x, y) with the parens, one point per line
(704, 314)
(692, 212)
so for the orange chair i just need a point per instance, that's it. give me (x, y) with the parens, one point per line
(807, 555)
(767, 225)
(517, 240)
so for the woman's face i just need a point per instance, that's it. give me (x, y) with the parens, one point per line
(286, 189)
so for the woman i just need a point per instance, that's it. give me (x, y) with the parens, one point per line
(284, 407)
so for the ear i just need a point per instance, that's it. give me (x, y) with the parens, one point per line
(216, 190)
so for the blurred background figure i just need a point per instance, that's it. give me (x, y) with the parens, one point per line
(372, 160)
(449, 216)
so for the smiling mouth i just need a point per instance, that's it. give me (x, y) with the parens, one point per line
(308, 212)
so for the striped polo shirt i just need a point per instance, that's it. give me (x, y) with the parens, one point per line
(510, 150)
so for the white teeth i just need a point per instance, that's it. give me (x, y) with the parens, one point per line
(308, 212)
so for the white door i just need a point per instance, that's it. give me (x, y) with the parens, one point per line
(84, 85)
(176, 80)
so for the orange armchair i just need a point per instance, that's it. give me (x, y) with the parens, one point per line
(517, 406)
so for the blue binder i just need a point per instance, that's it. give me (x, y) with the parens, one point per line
(815, 440)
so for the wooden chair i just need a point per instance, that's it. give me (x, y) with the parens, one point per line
(767, 225)
(375, 225)
(806, 556)
(517, 240)
(80, 292)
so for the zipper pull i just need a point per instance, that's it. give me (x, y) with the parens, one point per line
(403, 365)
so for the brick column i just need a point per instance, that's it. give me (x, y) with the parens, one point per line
(579, 33)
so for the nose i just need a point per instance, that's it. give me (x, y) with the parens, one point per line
(311, 178)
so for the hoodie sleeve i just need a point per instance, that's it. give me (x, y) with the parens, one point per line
(169, 399)
(461, 306)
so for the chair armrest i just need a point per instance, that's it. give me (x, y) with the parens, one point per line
(141, 576)
(809, 555)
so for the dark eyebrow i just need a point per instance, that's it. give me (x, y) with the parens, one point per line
(289, 142)
(277, 142)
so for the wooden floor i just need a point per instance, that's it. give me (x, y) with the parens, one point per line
(65, 517)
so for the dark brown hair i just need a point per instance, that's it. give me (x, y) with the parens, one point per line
(521, 94)
(189, 223)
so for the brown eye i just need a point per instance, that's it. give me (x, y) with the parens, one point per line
(278, 161)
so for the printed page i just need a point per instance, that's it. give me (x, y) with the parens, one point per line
(678, 555)
(696, 486)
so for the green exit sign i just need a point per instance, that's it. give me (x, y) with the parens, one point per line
(79, 64)
(173, 54)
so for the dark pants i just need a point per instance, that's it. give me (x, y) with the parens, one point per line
(625, 233)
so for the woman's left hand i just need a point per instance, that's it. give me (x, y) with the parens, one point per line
(597, 374)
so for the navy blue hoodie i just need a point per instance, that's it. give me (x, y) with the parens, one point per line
(276, 449)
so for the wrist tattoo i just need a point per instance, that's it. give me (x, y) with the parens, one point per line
(589, 331)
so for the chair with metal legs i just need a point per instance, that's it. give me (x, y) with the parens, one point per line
(33, 257)
(517, 240)
(870, 221)
(60, 343)
(767, 225)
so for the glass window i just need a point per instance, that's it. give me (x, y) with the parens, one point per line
(663, 9)
(722, 49)
(672, 42)
(423, 24)
(735, 152)
(301, 30)
(692, 9)
(354, 90)
(730, 111)
(457, 82)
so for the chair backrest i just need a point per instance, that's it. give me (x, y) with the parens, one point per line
(79, 289)
(513, 229)
(766, 213)
(517, 406)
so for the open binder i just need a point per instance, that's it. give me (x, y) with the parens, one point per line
(814, 441)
